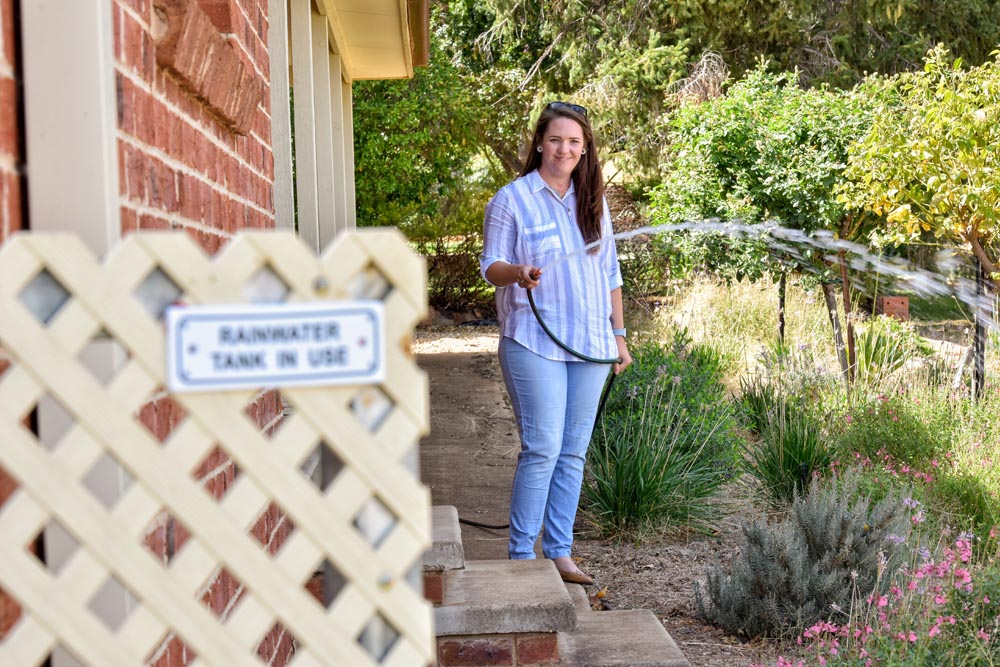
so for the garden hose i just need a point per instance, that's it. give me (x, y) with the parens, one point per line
(579, 355)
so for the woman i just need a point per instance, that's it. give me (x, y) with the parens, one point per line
(556, 207)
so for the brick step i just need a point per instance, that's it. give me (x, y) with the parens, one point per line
(504, 596)
(446, 552)
(502, 612)
(627, 638)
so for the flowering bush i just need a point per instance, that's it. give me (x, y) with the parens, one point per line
(792, 573)
(897, 424)
(942, 610)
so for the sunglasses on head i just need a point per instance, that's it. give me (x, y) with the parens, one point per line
(566, 105)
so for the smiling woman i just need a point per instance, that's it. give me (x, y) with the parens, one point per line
(556, 207)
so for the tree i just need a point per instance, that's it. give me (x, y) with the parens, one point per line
(413, 140)
(931, 160)
(625, 57)
(767, 151)
(931, 164)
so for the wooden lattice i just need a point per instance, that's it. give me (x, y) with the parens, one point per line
(375, 456)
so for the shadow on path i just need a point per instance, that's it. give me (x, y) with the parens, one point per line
(469, 457)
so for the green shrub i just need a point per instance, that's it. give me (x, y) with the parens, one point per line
(882, 346)
(966, 500)
(910, 431)
(757, 395)
(793, 572)
(665, 442)
(691, 375)
(788, 452)
(653, 470)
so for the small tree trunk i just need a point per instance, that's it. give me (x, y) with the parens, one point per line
(829, 293)
(848, 314)
(782, 286)
(979, 374)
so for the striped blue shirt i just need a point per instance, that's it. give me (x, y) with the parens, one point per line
(528, 223)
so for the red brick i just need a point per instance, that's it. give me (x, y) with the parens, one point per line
(144, 105)
(220, 481)
(117, 18)
(893, 306)
(156, 541)
(285, 650)
(7, 483)
(134, 172)
(220, 13)
(176, 654)
(10, 613)
(126, 103)
(162, 186)
(434, 587)
(205, 64)
(538, 649)
(190, 196)
(130, 221)
(10, 194)
(147, 58)
(315, 587)
(7, 19)
(475, 651)
(9, 144)
(131, 38)
(222, 592)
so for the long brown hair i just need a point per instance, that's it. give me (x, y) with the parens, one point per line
(587, 177)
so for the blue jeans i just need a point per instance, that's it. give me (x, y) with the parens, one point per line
(555, 404)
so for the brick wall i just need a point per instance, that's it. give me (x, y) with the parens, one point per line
(194, 146)
(10, 148)
(10, 210)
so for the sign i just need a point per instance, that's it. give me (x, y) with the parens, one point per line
(213, 347)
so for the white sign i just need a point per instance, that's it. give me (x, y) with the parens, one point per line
(220, 347)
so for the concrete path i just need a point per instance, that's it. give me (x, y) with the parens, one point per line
(469, 457)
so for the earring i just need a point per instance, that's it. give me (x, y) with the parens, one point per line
(583, 152)
(539, 149)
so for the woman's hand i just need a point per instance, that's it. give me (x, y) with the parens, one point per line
(623, 353)
(527, 276)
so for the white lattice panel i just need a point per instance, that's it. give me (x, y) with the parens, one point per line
(370, 523)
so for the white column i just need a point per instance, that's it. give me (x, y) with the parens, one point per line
(338, 152)
(71, 152)
(323, 129)
(71, 125)
(281, 114)
(348, 100)
(305, 122)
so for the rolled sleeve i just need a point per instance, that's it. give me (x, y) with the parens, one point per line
(499, 233)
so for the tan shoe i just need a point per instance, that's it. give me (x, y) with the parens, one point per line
(576, 577)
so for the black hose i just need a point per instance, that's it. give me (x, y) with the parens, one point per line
(580, 355)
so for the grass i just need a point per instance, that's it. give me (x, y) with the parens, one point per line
(938, 309)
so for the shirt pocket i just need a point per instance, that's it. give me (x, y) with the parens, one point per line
(542, 240)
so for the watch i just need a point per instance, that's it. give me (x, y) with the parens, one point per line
(619, 332)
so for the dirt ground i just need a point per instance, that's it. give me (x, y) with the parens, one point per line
(468, 462)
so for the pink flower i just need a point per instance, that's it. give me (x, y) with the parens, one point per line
(983, 635)
(934, 631)
(883, 601)
(940, 599)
